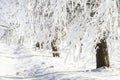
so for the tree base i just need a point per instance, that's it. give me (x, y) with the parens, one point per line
(56, 55)
(102, 58)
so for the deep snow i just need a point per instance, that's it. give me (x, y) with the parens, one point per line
(27, 64)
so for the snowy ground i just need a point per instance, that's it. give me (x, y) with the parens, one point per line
(28, 64)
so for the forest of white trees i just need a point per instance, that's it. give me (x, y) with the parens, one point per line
(81, 31)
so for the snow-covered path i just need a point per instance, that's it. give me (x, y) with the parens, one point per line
(68, 75)
(28, 64)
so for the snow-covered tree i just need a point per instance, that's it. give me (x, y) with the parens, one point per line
(73, 24)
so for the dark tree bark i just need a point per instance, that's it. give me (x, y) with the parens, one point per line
(37, 46)
(42, 45)
(54, 49)
(102, 58)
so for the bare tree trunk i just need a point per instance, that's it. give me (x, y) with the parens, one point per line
(37, 46)
(102, 58)
(54, 49)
